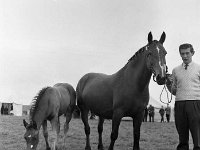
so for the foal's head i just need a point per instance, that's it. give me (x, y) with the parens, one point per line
(32, 135)
(156, 58)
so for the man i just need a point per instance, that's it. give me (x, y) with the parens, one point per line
(145, 115)
(184, 83)
(162, 112)
(168, 112)
(151, 113)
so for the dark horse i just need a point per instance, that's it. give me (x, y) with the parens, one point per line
(125, 93)
(49, 104)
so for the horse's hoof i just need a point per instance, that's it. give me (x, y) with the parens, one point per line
(48, 148)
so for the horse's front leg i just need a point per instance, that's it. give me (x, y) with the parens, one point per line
(100, 130)
(116, 119)
(137, 121)
(56, 129)
(45, 133)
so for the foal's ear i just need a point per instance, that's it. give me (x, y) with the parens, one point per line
(25, 123)
(150, 37)
(162, 38)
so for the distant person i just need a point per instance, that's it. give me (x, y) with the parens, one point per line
(162, 112)
(145, 115)
(151, 113)
(168, 113)
(184, 83)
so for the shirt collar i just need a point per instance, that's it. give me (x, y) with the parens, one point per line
(183, 64)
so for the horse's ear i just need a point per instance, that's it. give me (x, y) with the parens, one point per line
(150, 37)
(162, 38)
(25, 123)
(34, 125)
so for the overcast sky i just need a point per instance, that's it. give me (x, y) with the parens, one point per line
(43, 42)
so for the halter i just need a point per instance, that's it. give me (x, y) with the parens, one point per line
(151, 68)
(164, 87)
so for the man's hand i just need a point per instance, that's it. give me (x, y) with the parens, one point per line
(169, 79)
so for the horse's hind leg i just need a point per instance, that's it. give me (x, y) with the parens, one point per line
(45, 133)
(100, 130)
(66, 125)
(84, 117)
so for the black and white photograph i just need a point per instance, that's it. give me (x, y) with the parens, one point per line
(99, 75)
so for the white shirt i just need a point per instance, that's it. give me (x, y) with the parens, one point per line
(186, 82)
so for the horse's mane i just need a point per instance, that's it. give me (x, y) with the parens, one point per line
(136, 54)
(35, 102)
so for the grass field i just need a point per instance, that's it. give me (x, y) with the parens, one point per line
(154, 136)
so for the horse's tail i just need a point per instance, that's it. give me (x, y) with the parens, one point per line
(72, 98)
(78, 94)
(79, 89)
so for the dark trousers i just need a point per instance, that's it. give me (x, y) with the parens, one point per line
(162, 118)
(145, 118)
(151, 117)
(168, 117)
(187, 118)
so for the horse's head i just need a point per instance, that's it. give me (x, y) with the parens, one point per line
(156, 58)
(32, 135)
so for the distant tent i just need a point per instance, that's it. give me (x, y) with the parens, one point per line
(11, 109)
(17, 109)
(6, 108)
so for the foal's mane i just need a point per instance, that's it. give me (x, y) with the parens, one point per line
(35, 102)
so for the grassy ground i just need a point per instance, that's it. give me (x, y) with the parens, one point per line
(154, 136)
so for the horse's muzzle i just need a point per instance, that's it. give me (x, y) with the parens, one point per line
(160, 80)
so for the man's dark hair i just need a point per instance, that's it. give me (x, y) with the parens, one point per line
(185, 46)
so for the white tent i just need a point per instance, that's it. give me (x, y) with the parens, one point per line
(13, 108)
(17, 109)
(155, 103)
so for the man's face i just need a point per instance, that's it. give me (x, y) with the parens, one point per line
(186, 55)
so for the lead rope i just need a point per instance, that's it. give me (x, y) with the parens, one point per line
(168, 99)
(164, 88)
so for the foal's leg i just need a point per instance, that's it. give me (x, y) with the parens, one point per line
(55, 127)
(116, 119)
(100, 130)
(84, 117)
(137, 121)
(45, 133)
(66, 125)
